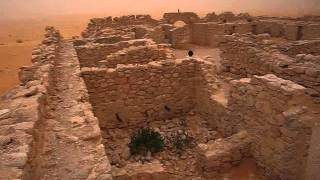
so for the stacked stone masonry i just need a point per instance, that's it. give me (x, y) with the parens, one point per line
(133, 94)
(80, 100)
(24, 106)
(247, 56)
(222, 154)
(90, 54)
(281, 119)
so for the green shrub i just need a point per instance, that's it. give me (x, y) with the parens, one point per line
(144, 140)
(181, 141)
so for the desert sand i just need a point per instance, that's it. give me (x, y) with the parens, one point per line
(13, 55)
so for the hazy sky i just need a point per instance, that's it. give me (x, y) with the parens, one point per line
(32, 8)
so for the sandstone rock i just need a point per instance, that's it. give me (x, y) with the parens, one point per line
(105, 177)
(4, 113)
(125, 153)
(25, 126)
(312, 72)
(5, 140)
(31, 92)
(16, 160)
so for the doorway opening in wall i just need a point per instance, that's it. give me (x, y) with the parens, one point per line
(299, 33)
(179, 24)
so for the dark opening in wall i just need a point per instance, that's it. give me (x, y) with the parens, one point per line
(299, 32)
(168, 109)
(233, 30)
(254, 29)
(118, 117)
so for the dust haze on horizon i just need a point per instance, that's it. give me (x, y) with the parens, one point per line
(15, 9)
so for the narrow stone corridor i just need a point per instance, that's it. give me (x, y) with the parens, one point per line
(64, 150)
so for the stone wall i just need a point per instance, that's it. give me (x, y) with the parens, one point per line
(41, 57)
(90, 54)
(112, 39)
(244, 57)
(203, 32)
(187, 17)
(301, 47)
(136, 55)
(213, 33)
(200, 34)
(273, 28)
(134, 94)
(291, 30)
(311, 31)
(280, 118)
(221, 155)
(180, 36)
(27, 110)
(98, 24)
(157, 34)
(23, 109)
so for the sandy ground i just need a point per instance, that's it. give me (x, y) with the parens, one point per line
(13, 55)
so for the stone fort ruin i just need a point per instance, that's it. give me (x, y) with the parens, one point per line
(252, 93)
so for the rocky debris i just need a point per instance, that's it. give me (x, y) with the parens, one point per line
(97, 24)
(18, 123)
(277, 112)
(63, 118)
(153, 170)
(70, 125)
(135, 55)
(183, 165)
(4, 113)
(91, 53)
(244, 55)
(5, 140)
(223, 154)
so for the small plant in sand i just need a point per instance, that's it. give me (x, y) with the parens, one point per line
(180, 141)
(146, 140)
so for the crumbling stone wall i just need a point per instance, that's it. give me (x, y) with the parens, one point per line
(301, 47)
(200, 34)
(41, 57)
(280, 118)
(136, 55)
(187, 17)
(98, 24)
(211, 17)
(209, 30)
(134, 94)
(271, 27)
(244, 57)
(24, 106)
(310, 31)
(90, 54)
(213, 33)
(227, 17)
(157, 34)
(180, 36)
(219, 156)
(289, 29)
